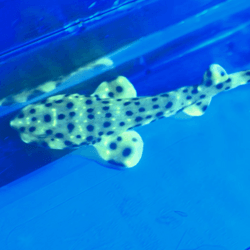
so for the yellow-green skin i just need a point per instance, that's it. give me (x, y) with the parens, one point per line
(105, 118)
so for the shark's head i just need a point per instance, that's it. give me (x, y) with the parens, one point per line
(31, 124)
(49, 121)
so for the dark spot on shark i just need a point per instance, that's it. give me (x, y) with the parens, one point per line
(169, 105)
(91, 117)
(49, 132)
(32, 129)
(194, 91)
(88, 102)
(106, 124)
(110, 132)
(47, 118)
(115, 163)
(89, 138)
(70, 105)
(119, 89)
(129, 113)
(61, 116)
(67, 143)
(208, 83)
(204, 108)
(108, 115)
(90, 128)
(59, 101)
(32, 111)
(59, 135)
(138, 119)
(70, 127)
(159, 114)
(111, 94)
(126, 152)
(90, 110)
(113, 145)
(219, 86)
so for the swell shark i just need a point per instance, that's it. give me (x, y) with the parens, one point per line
(105, 120)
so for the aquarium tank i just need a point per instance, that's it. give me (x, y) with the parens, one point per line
(124, 125)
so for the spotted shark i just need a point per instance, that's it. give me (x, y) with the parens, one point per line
(106, 119)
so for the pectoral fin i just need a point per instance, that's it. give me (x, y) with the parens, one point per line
(124, 150)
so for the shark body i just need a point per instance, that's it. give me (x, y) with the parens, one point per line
(106, 119)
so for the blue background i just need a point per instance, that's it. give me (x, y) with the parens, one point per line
(190, 191)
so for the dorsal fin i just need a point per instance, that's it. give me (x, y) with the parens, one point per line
(214, 75)
(121, 87)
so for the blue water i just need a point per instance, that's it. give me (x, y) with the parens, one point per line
(190, 189)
